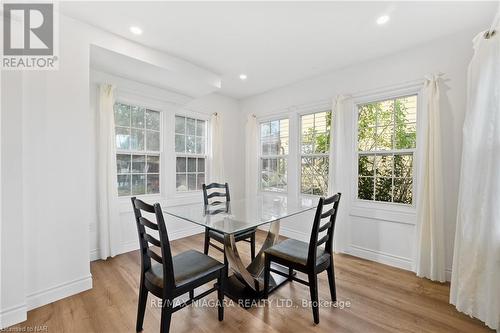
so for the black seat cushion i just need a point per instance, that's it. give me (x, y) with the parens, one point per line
(238, 236)
(296, 251)
(188, 266)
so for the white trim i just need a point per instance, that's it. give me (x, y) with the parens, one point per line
(13, 315)
(58, 292)
(389, 215)
(380, 257)
(292, 233)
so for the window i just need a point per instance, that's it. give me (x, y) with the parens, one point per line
(314, 148)
(190, 149)
(137, 133)
(273, 155)
(386, 147)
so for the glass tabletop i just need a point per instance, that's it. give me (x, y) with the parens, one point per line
(240, 215)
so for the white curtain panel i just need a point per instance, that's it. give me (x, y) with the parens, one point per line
(251, 149)
(339, 168)
(217, 165)
(475, 281)
(430, 256)
(107, 210)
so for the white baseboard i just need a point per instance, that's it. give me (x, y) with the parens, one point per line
(381, 257)
(292, 233)
(133, 245)
(13, 315)
(58, 292)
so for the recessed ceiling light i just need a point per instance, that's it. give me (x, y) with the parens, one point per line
(383, 19)
(243, 77)
(136, 30)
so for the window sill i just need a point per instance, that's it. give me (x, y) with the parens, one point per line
(384, 211)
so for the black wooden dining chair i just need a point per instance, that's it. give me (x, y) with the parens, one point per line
(311, 258)
(211, 197)
(170, 277)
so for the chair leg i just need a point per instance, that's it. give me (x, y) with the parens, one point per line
(191, 294)
(207, 241)
(313, 289)
(267, 273)
(290, 274)
(252, 246)
(331, 282)
(141, 308)
(220, 294)
(166, 315)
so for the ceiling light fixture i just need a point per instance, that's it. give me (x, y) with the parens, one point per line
(383, 19)
(136, 30)
(243, 77)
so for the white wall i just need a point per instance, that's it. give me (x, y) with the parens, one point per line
(171, 103)
(385, 235)
(47, 167)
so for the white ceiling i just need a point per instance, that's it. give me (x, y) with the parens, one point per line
(278, 43)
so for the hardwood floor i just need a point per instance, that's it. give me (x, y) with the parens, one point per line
(382, 299)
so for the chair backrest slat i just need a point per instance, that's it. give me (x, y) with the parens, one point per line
(147, 223)
(215, 194)
(143, 226)
(329, 226)
(155, 256)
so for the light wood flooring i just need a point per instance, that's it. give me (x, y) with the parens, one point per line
(382, 299)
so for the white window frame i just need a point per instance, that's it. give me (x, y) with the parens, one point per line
(414, 89)
(193, 155)
(140, 103)
(261, 157)
(300, 155)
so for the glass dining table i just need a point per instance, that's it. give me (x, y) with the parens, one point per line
(246, 281)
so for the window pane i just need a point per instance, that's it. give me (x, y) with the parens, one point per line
(201, 181)
(153, 120)
(122, 115)
(307, 122)
(138, 184)
(123, 185)
(367, 115)
(153, 141)
(153, 185)
(385, 113)
(122, 138)
(191, 164)
(201, 165)
(137, 139)
(384, 137)
(265, 130)
(181, 182)
(366, 165)
(406, 137)
(137, 117)
(403, 165)
(153, 164)
(138, 163)
(200, 127)
(180, 125)
(366, 138)
(190, 126)
(275, 128)
(190, 144)
(322, 143)
(200, 145)
(406, 109)
(383, 166)
(383, 189)
(192, 182)
(180, 164)
(403, 190)
(314, 175)
(365, 188)
(123, 163)
(180, 143)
